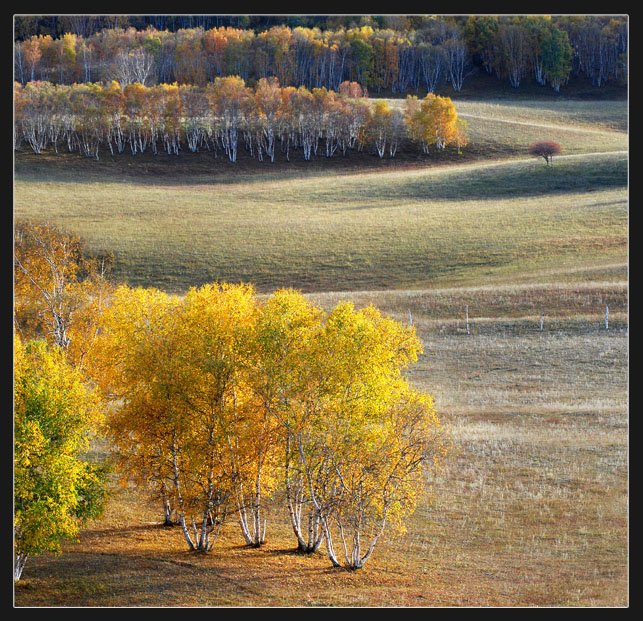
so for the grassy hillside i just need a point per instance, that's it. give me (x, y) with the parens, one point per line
(399, 227)
(393, 230)
(532, 509)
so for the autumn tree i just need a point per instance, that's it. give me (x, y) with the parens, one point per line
(268, 106)
(379, 126)
(194, 116)
(32, 54)
(385, 128)
(335, 420)
(223, 402)
(187, 426)
(113, 101)
(55, 490)
(382, 468)
(431, 121)
(283, 381)
(59, 290)
(398, 55)
(133, 367)
(351, 90)
(171, 121)
(545, 149)
(346, 469)
(230, 444)
(303, 123)
(33, 114)
(91, 118)
(226, 97)
(136, 110)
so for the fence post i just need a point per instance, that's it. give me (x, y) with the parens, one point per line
(466, 312)
(542, 318)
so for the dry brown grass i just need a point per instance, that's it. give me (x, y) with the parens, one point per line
(531, 510)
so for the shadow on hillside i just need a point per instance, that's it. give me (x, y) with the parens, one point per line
(204, 168)
(517, 179)
(471, 177)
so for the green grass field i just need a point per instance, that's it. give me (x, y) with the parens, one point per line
(394, 229)
(532, 509)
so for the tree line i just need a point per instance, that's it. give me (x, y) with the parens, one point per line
(216, 403)
(225, 115)
(400, 55)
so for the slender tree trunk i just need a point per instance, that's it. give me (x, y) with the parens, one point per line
(177, 485)
(329, 544)
(167, 509)
(19, 564)
(293, 499)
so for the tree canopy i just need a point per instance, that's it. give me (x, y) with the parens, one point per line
(545, 149)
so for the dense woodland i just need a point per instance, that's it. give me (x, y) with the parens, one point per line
(396, 54)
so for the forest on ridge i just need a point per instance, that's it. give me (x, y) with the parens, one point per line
(397, 54)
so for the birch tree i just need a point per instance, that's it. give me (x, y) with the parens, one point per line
(132, 66)
(513, 50)
(432, 121)
(55, 490)
(267, 101)
(133, 368)
(59, 293)
(280, 378)
(232, 439)
(432, 65)
(379, 127)
(382, 469)
(457, 60)
(368, 352)
(226, 97)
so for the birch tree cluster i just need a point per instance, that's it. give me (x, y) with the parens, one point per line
(225, 404)
(400, 55)
(222, 118)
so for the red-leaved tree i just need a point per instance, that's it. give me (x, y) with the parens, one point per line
(545, 149)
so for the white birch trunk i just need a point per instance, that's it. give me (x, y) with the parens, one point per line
(19, 563)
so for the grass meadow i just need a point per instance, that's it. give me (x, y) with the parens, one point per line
(532, 509)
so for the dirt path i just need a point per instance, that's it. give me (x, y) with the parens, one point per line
(545, 125)
(451, 168)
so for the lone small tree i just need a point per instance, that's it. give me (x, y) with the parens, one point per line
(545, 149)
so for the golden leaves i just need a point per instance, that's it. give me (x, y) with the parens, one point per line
(219, 390)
